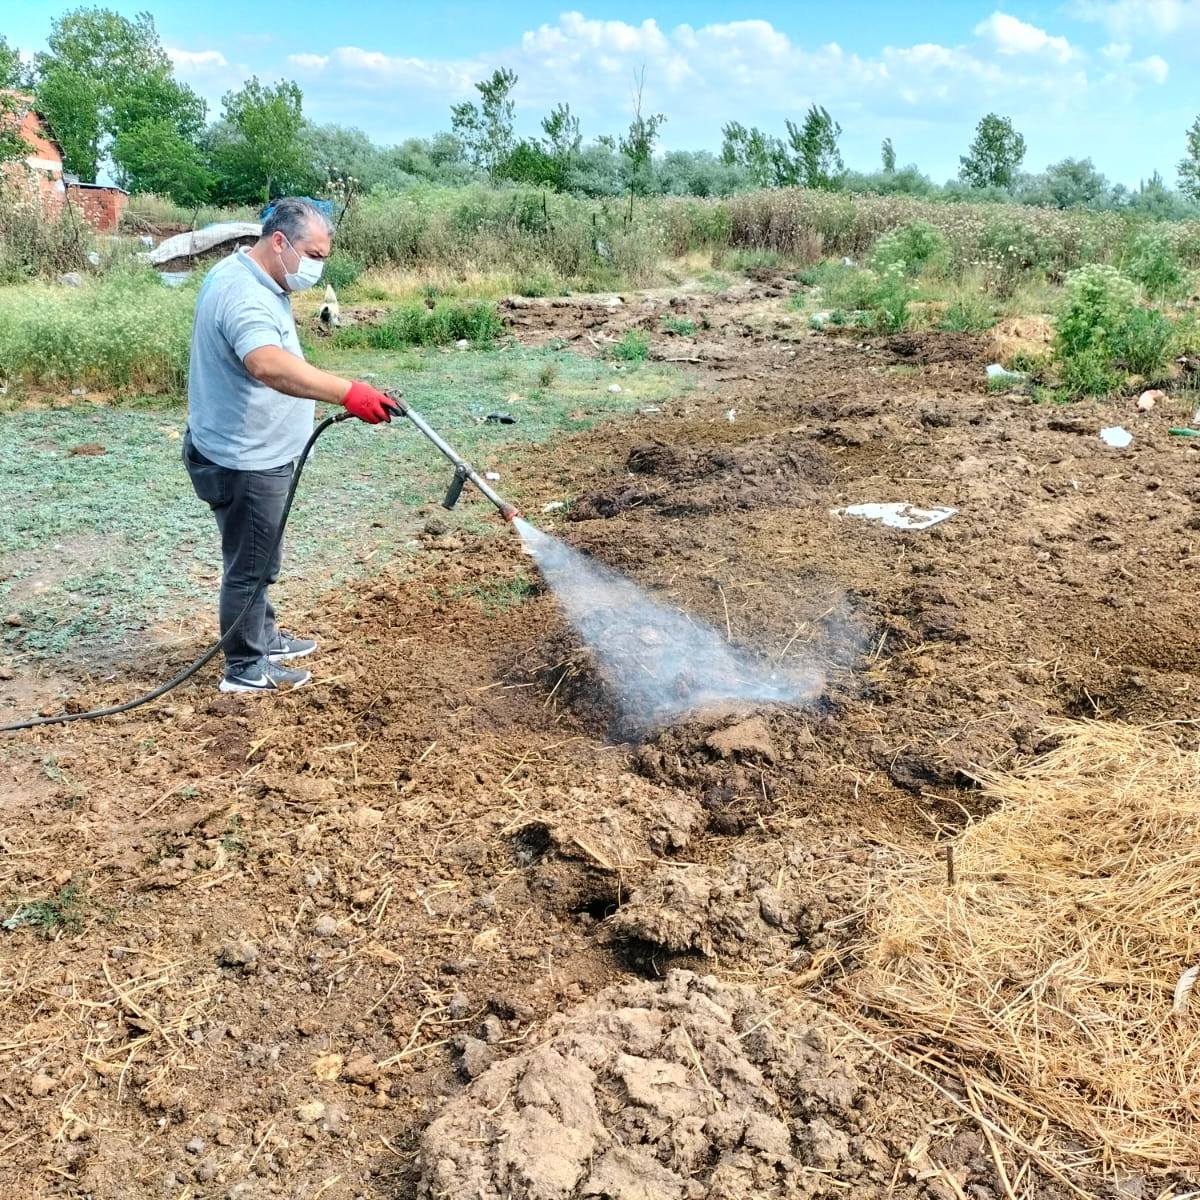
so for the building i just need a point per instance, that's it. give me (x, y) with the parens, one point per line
(43, 166)
(97, 204)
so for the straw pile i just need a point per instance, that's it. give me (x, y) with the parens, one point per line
(1056, 971)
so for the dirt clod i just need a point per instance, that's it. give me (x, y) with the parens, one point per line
(745, 739)
(662, 1091)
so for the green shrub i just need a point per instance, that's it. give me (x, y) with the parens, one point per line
(416, 325)
(1143, 342)
(889, 304)
(1102, 328)
(1152, 262)
(633, 347)
(917, 246)
(342, 270)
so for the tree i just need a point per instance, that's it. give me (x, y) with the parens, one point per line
(562, 142)
(817, 161)
(638, 144)
(152, 157)
(486, 129)
(889, 157)
(337, 153)
(1189, 165)
(258, 153)
(13, 72)
(757, 153)
(1072, 183)
(994, 155)
(101, 76)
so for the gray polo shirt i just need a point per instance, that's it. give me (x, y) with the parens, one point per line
(235, 420)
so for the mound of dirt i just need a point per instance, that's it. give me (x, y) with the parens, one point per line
(673, 1090)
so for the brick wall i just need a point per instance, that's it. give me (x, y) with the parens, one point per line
(100, 207)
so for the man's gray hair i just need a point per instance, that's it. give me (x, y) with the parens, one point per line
(291, 216)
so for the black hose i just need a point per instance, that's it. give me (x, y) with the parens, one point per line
(217, 646)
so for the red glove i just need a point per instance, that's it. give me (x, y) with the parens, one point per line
(365, 403)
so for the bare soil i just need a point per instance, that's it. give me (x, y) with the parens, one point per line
(430, 928)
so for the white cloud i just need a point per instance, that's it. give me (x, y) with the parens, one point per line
(1117, 51)
(309, 62)
(1153, 68)
(1012, 36)
(1141, 18)
(197, 59)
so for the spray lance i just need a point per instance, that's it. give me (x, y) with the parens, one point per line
(464, 473)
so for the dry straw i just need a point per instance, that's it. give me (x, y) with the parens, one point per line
(1055, 968)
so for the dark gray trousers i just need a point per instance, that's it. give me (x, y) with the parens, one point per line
(248, 506)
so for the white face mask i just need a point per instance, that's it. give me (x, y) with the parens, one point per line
(307, 272)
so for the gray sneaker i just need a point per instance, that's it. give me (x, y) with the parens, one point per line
(286, 647)
(269, 677)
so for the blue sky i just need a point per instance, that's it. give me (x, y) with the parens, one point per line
(1109, 79)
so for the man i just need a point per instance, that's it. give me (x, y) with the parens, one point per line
(250, 411)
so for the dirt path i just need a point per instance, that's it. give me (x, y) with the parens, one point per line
(288, 936)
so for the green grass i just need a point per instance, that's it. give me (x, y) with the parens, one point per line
(634, 347)
(125, 332)
(119, 543)
(680, 326)
(64, 911)
(417, 325)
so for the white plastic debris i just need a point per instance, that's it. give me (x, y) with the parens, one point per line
(1116, 437)
(847, 262)
(614, 388)
(147, 240)
(463, 343)
(71, 279)
(731, 414)
(650, 410)
(554, 506)
(93, 258)
(1148, 399)
(897, 514)
(818, 319)
(492, 475)
(79, 391)
(996, 371)
(199, 241)
(174, 278)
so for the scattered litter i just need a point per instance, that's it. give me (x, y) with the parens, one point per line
(848, 262)
(492, 475)
(554, 506)
(1147, 400)
(614, 388)
(71, 279)
(996, 371)
(1183, 990)
(174, 278)
(1184, 432)
(1196, 417)
(897, 515)
(147, 241)
(463, 343)
(818, 319)
(80, 391)
(501, 418)
(731, 414)
(1116, 437)
(93, 258)
(650, 410)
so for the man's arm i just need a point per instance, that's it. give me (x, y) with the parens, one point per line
(286, 372)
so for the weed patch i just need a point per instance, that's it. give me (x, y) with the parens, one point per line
(633, 347)
(64, 911)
